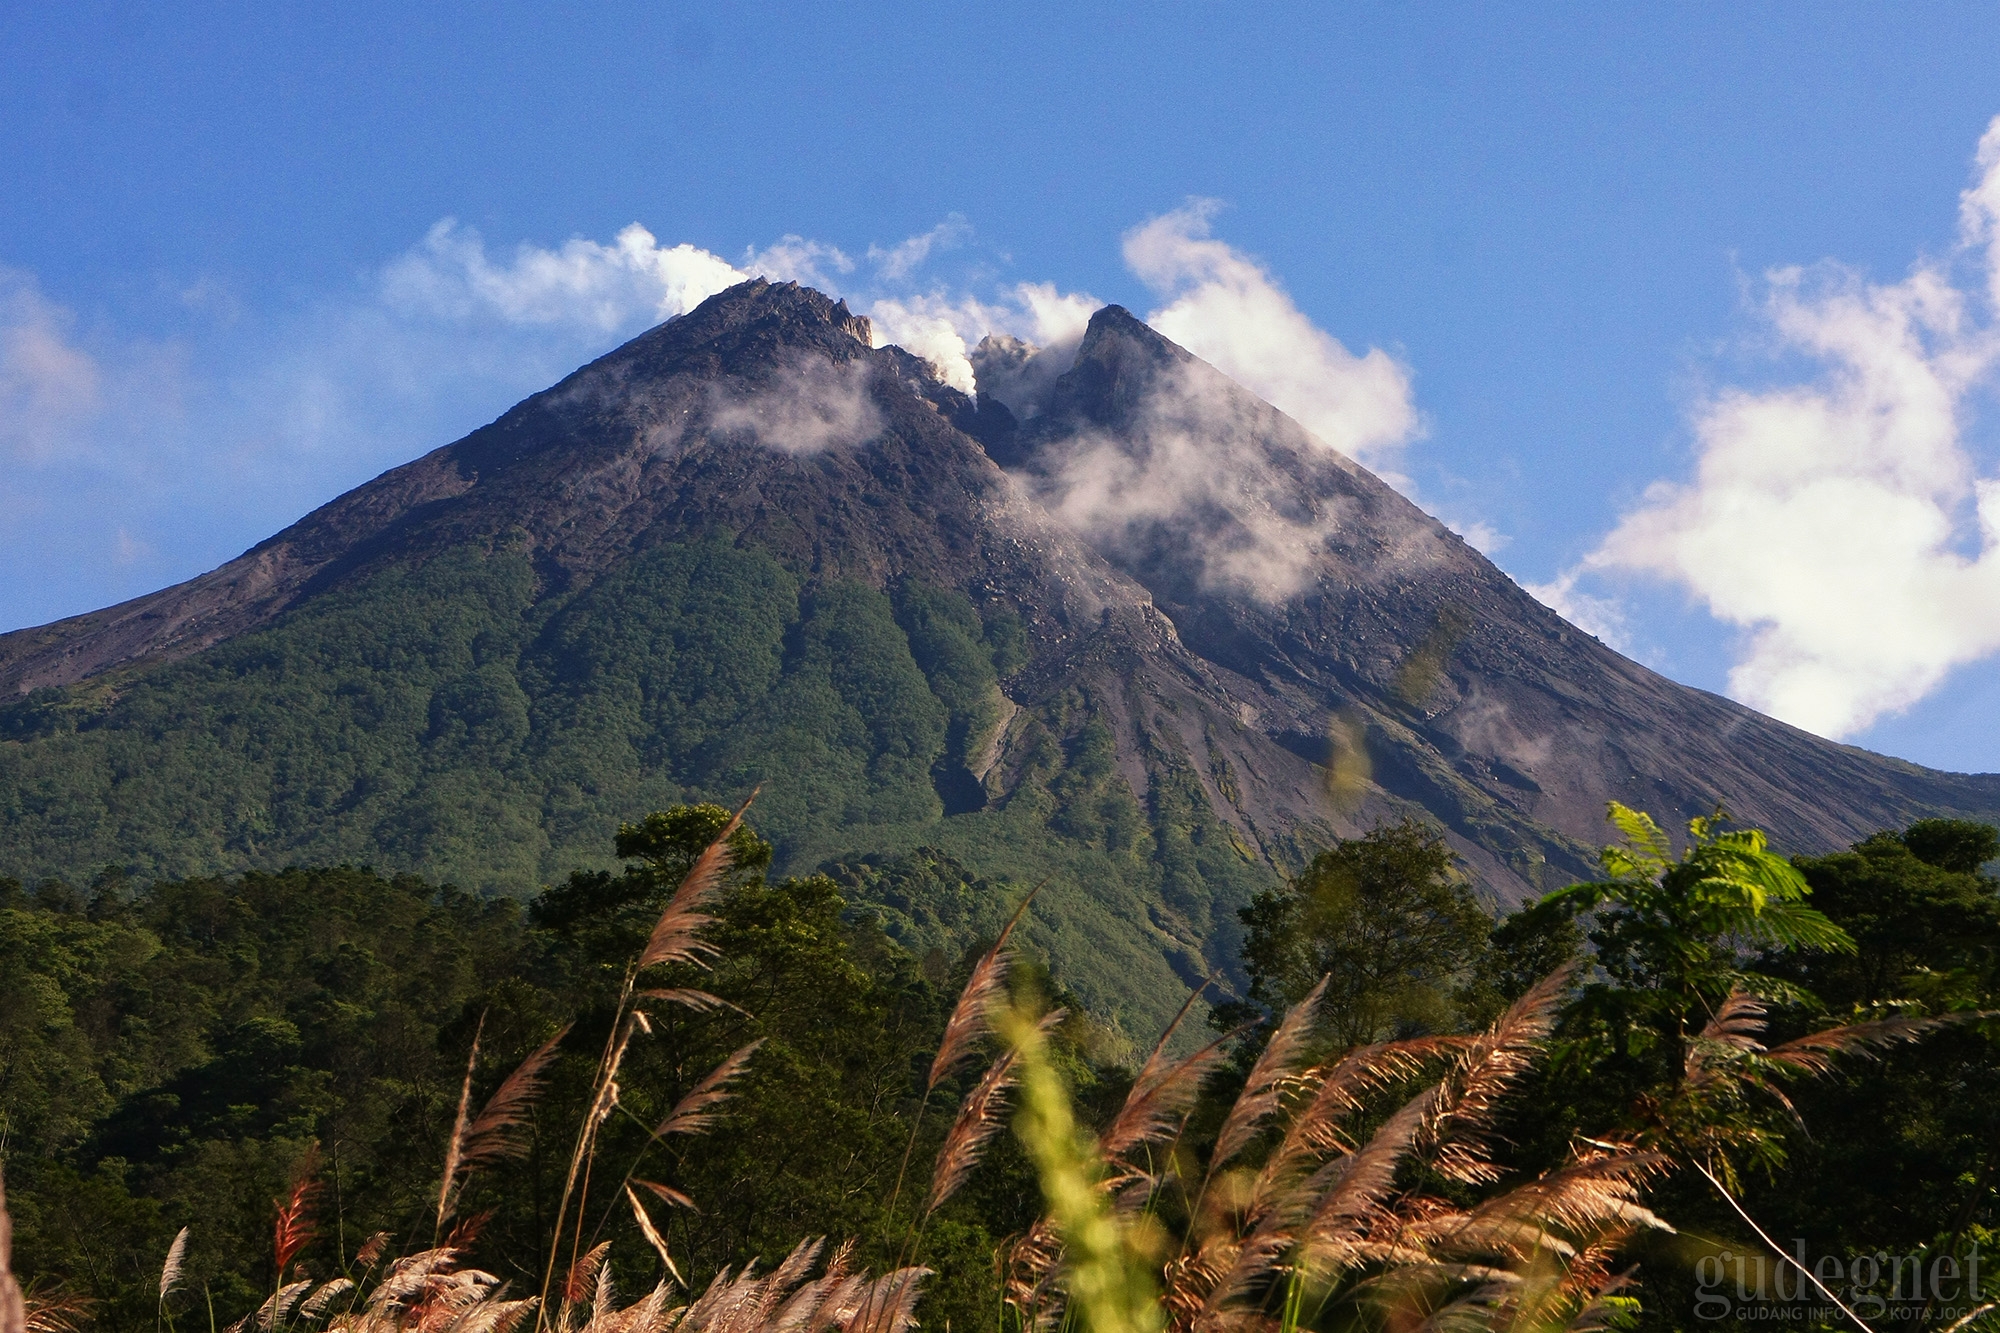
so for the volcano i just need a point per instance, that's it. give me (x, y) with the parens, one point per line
(1112, 621)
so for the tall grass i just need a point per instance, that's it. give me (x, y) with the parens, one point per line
(1316, 1205)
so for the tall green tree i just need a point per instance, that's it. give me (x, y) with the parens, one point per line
(1387, 917)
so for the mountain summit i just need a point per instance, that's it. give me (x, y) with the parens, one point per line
(1115, 621)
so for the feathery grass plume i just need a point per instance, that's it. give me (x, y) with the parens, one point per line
(1737, 1023)
(667, 1193)
(50, 1309)
(429, 1293)
(1816, 1052)
(712, 1309)
(650, 1315)
(1340, 1220)
(972, 1017)
(13, 1310)
(1266, 1082)
(784, 1302)
(1033, 1263)
(466, 1231)
(1709, 1115)
(978, 1120)
(372, 1250)
(603, 1295)
(1598, 1189)
(411, 1276)
(494, 1136)
(1324, 1223)
(1106, 1276)
(170, 1271)
(1348, 1194)
(279, 1304)
(1155, 1104)
(676, 936)
(1161, 1092)
(1486, 1069)
(689, 998)
(581, 1279)
(293, 1229)
(889, 1303)
(320, 1301)
(1343, 1090)
(805, 1308)
(693, 1113)
(1156, 1059)
(652, 1235)
(791, 1270)
(454, 1150)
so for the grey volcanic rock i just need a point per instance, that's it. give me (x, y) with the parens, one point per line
(1476, 702)
(1264, 628)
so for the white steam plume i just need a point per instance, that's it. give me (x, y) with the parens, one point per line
(944, 329)
(1842, 522)
(606, 288)
(811, 405)
(1227, 309)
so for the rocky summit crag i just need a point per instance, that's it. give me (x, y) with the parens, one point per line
(1115, 622)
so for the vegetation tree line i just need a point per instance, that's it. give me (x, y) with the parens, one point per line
(1716, 1037)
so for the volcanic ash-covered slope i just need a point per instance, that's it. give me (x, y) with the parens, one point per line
(1139, 632)
(1366, 635)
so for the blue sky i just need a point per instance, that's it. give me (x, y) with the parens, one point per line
(225, 296)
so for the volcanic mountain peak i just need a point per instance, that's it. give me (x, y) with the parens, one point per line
(1117, 619)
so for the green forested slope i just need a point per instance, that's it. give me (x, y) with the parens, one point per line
(455, 720)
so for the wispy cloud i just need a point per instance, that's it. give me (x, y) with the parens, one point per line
(1229, 310)
(1602, 616)
(1843, 522)
(49, 386)
(796, 259)
(809, 406)
(129, 463)
(1203, 478)
(897, 262)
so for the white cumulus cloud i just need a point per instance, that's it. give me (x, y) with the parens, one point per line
(1844, 523)
(1227, 309)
